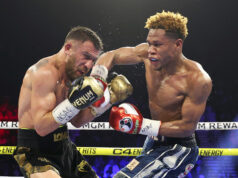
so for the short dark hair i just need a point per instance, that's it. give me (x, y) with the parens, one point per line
(83, 34)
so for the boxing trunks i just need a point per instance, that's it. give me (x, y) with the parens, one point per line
(55, 151)
(163, 157)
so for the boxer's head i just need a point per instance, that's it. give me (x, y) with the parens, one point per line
(82, 47)
(167, 31)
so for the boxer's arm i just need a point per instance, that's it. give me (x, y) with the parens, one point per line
(83, 117)
(43, 101)
(127, 118)
(119, 88)
(192, 109)
(124, 56)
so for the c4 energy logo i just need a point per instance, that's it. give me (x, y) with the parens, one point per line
(7, 150)
(211, 152)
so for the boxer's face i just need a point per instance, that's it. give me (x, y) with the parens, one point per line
(162, 49)
(81, 59)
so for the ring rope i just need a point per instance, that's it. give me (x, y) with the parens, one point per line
(106, 126)
(107, 151)
(131, 151)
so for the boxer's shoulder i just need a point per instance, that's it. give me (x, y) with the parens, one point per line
(47, 64)
(44, 69)
(195, 72)
(199, 83)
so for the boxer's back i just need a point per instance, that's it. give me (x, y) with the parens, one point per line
(24, 103)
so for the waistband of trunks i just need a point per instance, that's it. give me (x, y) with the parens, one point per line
(29, 138)
(186, 141)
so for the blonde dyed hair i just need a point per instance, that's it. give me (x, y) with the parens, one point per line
(170, 22)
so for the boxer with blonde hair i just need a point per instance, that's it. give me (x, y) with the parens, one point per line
(178, 89)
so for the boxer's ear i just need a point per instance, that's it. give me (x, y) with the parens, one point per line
(179, 42)
(67, 47)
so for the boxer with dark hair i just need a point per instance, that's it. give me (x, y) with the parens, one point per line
(55, 91)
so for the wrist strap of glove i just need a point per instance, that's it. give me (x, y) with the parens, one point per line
(100, 71)
(150, 127)
(99, 110)
(64, 112)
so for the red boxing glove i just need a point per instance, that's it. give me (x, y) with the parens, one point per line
(127, 118)
(122, 120)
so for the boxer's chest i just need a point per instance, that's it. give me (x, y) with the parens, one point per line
(61, 91)
(166, 98)
(168, 92)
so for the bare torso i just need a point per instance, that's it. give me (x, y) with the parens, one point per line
(177, 91)
(25, 99)
(167, 93)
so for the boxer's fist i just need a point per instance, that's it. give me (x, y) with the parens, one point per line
(84, 91)
(127, 118)
(118, 89)
(99, 72)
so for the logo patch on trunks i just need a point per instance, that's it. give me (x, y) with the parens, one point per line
(60, 136)
(188, 168)
(132, 164)
(83, 166)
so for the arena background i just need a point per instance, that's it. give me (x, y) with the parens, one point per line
(30, 30)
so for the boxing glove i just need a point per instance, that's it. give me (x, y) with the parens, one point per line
(100, 72)
(83, 92)
(118, 89)
(127, 118)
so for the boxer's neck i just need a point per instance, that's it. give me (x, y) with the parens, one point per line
(60, 63)
(174, 66)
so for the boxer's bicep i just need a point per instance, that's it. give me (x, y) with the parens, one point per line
(124, 56)
(131, 55)
(191, 113)
(195, 103)
(43, 99)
